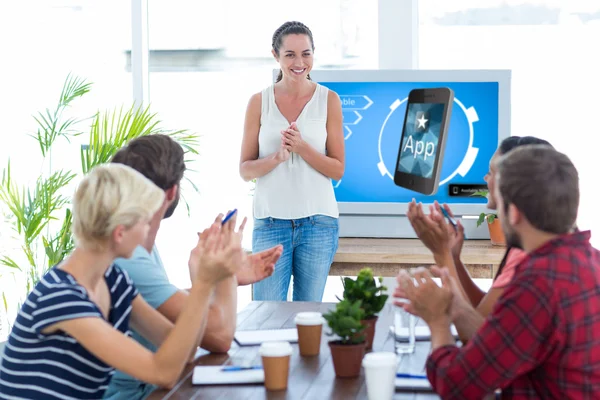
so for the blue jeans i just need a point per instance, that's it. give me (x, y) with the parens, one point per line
(309, 245)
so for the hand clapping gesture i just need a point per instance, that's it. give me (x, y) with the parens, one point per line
(433, 230)
(427, 300)
(218, 253)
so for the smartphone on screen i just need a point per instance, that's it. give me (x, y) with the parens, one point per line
(423, 139)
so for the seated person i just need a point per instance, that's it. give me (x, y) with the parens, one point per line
(72, 332)
(541, 338)
(446, 243)
(161, 159)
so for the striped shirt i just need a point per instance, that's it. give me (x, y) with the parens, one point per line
(55, 366)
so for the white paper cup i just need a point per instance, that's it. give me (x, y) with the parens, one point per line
(380, 375)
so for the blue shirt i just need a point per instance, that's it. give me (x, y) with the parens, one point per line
(55, 366)
(150, 278)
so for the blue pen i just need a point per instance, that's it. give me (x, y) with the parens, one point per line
(409, 376)
(232, 368)
(228, 216)
(451, 220)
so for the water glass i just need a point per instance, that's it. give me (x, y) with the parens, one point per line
(404, 331)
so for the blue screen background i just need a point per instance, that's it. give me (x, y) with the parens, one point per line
(421, 138)
(368, 133)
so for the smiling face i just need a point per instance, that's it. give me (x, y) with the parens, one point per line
(490, 179)
(295, 56)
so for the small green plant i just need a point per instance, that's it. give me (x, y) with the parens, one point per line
(366, 289)
(490, 217)
(345, 322)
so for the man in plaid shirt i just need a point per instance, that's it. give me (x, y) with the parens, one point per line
(542, 339)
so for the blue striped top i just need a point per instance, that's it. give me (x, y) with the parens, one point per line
(56, 366)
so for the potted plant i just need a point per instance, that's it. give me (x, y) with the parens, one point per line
(494, 226)
(371, 296)
(347, 351)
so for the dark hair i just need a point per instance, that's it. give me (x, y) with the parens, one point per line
(157, 157)
(543, 184)
(505, 147)
(290, 28)
(515, 141)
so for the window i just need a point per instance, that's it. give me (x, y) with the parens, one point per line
(548, 45)
(205, 62)
(42, 42)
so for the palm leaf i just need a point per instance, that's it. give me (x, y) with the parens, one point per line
(111, 130)
(10, 263)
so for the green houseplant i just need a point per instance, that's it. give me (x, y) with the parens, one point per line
(372, 297)
(348, 351)
(496, 235)
(40, 214)
(490, 217)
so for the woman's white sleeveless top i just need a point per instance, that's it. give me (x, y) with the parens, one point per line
(293, 189)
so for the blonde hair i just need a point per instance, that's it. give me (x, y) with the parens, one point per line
(108, 196)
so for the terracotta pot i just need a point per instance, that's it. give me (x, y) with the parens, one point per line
(496, 234)
(347, 358)
(369, 331)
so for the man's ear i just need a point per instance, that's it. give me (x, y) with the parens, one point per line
(514, 215)
(171, 193)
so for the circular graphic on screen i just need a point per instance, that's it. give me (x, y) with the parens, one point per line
(459, 161)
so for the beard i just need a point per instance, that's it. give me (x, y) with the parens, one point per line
(512, 238)
(172, 207)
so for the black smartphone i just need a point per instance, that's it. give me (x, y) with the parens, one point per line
(423, 140)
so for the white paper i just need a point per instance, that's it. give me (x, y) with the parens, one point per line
(422, 332)
(215, 376)
(255, 338)
(413, 383)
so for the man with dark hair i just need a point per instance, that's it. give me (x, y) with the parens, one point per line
(541, 339)
(161, 159)
(446, 242)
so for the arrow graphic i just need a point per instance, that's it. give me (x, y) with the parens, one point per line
(349, 132)
(355, 102)
(355, 115)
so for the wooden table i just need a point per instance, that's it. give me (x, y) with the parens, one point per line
(310, 377)
(387, 256)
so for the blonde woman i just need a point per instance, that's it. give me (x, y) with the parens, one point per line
(72, 331)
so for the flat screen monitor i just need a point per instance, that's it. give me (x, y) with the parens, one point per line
(374, 108)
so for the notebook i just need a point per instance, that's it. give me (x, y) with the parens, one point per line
(422, 333)
(256, 338)
(205, 375)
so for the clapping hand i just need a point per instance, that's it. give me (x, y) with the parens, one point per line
(218, 253)
(457, 236)
(426, 299)
(259, 266)
(433, 230)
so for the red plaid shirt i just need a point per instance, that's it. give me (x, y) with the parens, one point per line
(542, 339)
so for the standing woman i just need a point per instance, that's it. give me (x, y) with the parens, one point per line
(293, 146)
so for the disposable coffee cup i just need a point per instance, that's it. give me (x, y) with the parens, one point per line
(380, 375)
(310, 328)
(276, 364)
